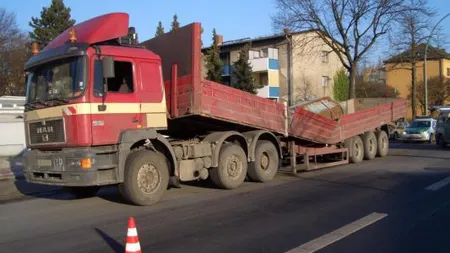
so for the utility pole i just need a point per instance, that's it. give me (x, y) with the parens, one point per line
(425, 66)
(289, 60)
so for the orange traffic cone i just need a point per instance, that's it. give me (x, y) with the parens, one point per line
(132, 244)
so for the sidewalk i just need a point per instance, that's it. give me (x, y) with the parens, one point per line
(14, 189)
(13, 184)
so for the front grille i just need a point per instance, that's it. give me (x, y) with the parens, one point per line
(47, 131)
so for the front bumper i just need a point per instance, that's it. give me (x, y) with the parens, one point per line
(63, 168)
(415, 137)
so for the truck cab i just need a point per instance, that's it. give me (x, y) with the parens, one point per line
(85, 93)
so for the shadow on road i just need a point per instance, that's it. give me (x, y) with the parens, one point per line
(115, 245)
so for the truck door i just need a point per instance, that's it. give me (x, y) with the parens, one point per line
(120, 109)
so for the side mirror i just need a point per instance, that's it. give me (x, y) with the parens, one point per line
(108, 67)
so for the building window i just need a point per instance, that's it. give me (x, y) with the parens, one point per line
(324, 56)
(325, 81)
(448, 71)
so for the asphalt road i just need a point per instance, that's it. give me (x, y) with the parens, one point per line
(400, 203)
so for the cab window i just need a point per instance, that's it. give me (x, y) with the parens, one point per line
(122, 83)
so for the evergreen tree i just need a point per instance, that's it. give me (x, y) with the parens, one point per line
(341, 86)
(242, 75)
(213, 62)
(53, 21)
(159, 29)
(175, 23)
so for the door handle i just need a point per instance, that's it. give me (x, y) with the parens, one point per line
(135, 121)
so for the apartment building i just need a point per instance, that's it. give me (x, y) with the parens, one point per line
(399, 71)
(312, 63)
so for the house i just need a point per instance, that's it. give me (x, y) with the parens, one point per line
(399, 70)
(313, 65)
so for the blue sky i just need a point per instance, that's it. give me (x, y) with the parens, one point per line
(233, 19)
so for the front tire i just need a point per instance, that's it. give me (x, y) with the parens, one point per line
(266, 163)
(146, 177)
(232, 167)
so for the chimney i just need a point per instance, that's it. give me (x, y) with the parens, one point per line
(219, 39)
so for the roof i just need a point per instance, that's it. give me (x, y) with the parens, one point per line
(246, 40)
(97, 29)
(432, 53)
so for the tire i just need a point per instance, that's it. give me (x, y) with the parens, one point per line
(382, 143)
(266, 163)
(84, 192)
(141, 167)
(370, 145)
(232, 159)
(440, 141)
(431, 138)
(355, 149)
(396, 136)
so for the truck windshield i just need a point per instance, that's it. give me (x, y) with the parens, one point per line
(56, 82)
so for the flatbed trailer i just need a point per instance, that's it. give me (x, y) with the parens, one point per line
(175, 125)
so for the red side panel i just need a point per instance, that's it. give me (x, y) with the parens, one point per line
(98, 29)
(317, 128)
(229, 104)
(181, 47)
(314, 127)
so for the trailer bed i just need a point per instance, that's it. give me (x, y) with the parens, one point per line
(197, 105)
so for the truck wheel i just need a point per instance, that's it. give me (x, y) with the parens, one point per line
(83, 192)
(266, 163)
(370, 145)
(355, 149)
(232, 167)
(146, 177)
(382, 143)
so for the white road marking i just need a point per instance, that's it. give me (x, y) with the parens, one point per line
(438, 185)
(336, 235)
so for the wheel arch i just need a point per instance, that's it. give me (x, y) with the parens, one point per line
(254, 136)
(217, 139)
(135, 139)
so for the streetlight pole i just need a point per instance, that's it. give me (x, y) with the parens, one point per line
(425, 69)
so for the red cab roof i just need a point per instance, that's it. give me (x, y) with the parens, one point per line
(98, 29)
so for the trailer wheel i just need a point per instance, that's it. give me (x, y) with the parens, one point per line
(370, 145)
(146, 177)
(355, 149)
(382, 143)
(266, 163)
(232, 168)
(83, 192)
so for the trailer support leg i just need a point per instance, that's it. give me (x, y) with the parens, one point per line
(293, 158)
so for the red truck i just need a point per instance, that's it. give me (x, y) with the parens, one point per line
(141, 116)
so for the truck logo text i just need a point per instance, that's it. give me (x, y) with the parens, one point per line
(44, 130)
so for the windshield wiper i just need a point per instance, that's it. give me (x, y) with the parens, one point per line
(61, 100)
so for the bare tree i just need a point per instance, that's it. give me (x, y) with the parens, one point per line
(408, 41)
(438, 92)
(14, 51)
(349, 27)
(305, 91)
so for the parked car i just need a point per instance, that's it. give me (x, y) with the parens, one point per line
(443, 128)
(421, 129)
(396, 130)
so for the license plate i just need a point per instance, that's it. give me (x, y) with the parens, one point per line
(44, 163)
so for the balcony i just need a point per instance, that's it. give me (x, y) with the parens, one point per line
(264, 60)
